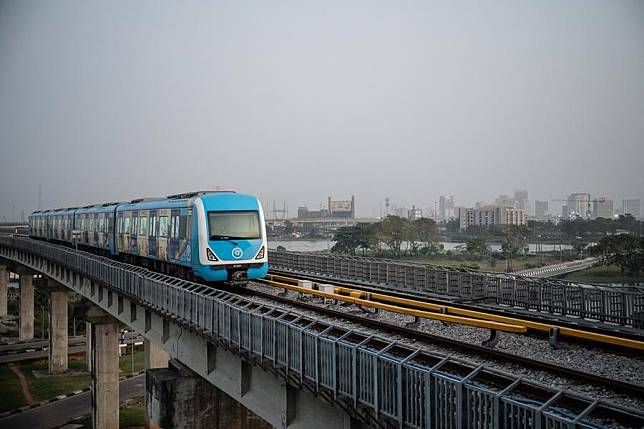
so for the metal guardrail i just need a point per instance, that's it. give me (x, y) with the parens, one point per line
(558, 269)
(412, 388)
(601, 303)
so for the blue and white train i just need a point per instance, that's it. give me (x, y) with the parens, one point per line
(212, 236)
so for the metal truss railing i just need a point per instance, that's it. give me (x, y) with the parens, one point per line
(401, 386)
(601, 303)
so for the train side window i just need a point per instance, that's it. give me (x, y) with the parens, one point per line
(126, 225)
(182, 227)
(163, 226)
(174, 229)
(143, 223)
(153, 226)
(101, 224)
(135, 225)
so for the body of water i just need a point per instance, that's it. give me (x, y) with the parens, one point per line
(318, 245)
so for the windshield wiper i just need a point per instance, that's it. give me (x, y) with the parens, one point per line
(220, 237)
(229, 237)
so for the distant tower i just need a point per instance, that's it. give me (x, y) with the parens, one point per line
(386, 206)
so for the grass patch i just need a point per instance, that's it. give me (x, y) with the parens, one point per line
(602, 274)
(50, 387)
(125, 363)
(10, 392)
(132, 414)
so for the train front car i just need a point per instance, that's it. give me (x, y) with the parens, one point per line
(231, 238)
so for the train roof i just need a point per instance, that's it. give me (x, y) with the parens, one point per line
(186, 195)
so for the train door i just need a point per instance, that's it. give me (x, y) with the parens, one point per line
(134, 232)
(162, 238)
(94, 236)
(152, 235)
(173, 239)
(120, 232)
(142, 239)
(100, 230)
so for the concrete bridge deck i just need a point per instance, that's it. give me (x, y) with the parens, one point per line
(292, 370)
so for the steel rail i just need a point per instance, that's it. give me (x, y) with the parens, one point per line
(399, 309)
(618, 386)
(569, 325)
(430, 310)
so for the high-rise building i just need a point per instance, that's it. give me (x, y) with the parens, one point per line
(492, 215)
(442, 207)
(504, 201)
(540, 209)
(603, 207)
(450, 207)
(521, 200)
(579, 205)
(632, 207)
(414, 213)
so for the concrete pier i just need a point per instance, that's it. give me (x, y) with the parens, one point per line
(26, 331)
(176, 397)
(3, 290)
(105, 369)
(154, 356)
(88, 345)
(58, 335)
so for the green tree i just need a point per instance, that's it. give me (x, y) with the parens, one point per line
(350, 238)
(513, 243)
(476, 246)
(426, 230)
(391, 232)
(624, 250)
(347, 239)
(411, 236)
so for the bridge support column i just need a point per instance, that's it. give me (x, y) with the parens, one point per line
(178, 397)
(154, 356)
(3, 290)
(26, 331)
(58, 335)
(105, 369)
(88, 346)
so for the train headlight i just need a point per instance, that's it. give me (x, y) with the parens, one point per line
(211, 256)
(260, 254)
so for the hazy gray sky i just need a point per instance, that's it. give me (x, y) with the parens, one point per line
(297, 100)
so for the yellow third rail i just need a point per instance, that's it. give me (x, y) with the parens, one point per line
(446, 313)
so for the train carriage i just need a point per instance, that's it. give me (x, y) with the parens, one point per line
(213, 236)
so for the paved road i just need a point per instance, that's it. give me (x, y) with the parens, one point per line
(60, 412)
(38, 354)
(36, 344)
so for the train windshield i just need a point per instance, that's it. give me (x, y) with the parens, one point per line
(234, 225)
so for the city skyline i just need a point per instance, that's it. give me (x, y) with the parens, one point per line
(411, 107)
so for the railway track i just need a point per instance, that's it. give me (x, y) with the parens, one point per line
(607, 335)
(618, 386)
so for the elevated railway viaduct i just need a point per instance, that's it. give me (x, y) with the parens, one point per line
(290, 369)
